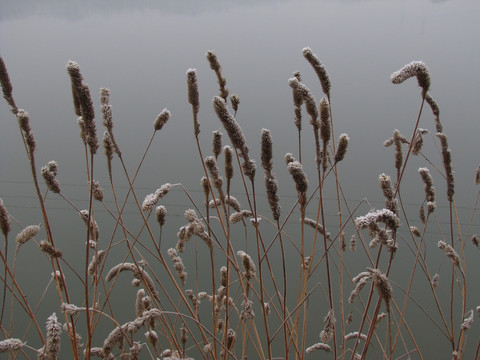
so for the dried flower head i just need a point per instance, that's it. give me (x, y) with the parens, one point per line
(267, 152)
(49, 249)
(310, 102)
(235, 134)
(151, 199)
(238, 216)
(215, 66)
(415, 231)
(271, 185)
(386, 186)
(289, 158)
(417, 69)
(301, 182)
(26, 234)
(152, 337)
(193, 97)
(161, 119)
(178, 265)
(96, 260)
(427, 180)
(342, 147)
(7, 86)
(108, 148)
(248, 265)
(382, 284)
(450, 253)
(386, 216)
(161, 213)
(325, 131)
(4, 218)
(228, 153)
(137, 272)
(436, 112)
(318, 346)
(327, 333)
(447, 164)
(93, 229)
(71, 309)
(11, 344)
(297, 102)
(54, 329)
(49, 174)
(235, 100)
(97, 190)
(319, 68)
(216, 143)
(355, 335)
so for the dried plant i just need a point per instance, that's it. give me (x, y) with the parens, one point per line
(258, 286)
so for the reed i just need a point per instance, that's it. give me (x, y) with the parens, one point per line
(259, 285)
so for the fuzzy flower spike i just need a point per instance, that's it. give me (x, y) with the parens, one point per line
(417, 69)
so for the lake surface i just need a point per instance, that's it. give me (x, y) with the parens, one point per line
(141, 52)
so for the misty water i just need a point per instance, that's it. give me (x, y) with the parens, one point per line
(141, 52)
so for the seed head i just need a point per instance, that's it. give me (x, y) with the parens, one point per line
(11, 344)
(415, 68)
(161, 213)
(342, 147)
(319, 69)
(4, 218)
(26, 234)
(54, 329)
(161, 119)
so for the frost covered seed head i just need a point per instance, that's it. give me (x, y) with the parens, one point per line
(342, 147)
(54, 329)
(319, 69)
(10, 344)
(415, 68)
(310, 102)
(161, 213)
(26, 234)
(161, 119)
